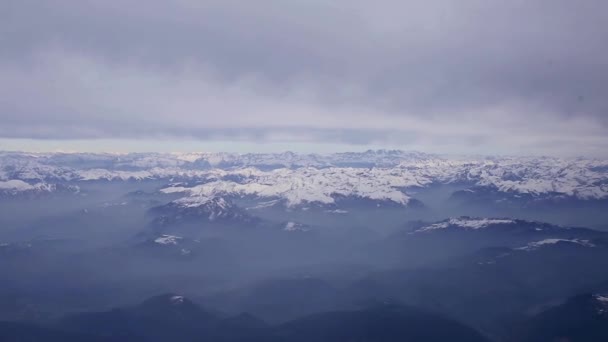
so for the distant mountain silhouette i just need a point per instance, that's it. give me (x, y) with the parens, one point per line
(175, 318)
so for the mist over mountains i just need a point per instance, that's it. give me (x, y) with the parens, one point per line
(497, 232)
(379, 245)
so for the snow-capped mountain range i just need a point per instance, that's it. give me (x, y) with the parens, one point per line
(196, 208)
(17, 187)
(304, 185)
(301, 178)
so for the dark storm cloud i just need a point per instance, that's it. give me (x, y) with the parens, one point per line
(520, 74)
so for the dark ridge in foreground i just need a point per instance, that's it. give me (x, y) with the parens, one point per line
(175, 318)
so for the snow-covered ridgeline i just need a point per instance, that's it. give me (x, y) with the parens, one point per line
(167, 240)
(308, 185)
(197, 201)
(548, 242)
(295, 227)
(17, 187)
(578, 178)
(465, 223)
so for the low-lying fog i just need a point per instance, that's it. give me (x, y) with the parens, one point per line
(107, 247)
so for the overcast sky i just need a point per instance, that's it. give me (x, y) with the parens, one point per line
(454, 76)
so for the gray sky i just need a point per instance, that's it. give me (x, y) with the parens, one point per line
(454, 76)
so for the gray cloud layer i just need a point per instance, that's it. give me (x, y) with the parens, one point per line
(516, 75)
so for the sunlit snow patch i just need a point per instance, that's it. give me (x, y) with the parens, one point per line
(168, 239)
(294, 227)
(603, 303)
(546, 242)
(465, 223)
(177, 300)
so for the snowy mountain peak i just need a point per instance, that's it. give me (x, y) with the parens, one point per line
(200, 207)
(201, 200)
(304, 186)
(16, 185)
(467, 223)
(301, 178)
(548, 242)
(295, 227)
(602, 303)
(602, 298)
(167, 240)
(177, 300)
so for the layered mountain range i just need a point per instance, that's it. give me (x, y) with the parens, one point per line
(379, 177)
(278, 245)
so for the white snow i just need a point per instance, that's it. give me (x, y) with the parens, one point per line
(18, 186)
(197, 201)
(337, 211)
(15, 184)
(215, 207)
(465, 223)
(265, 204)
(293, 227)
(538, 244)
(175, 189)
(603, 299)
(189, 157)
(603, 303)
(168, 239)
(316, 178)
(306, 185)
(176, 300)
